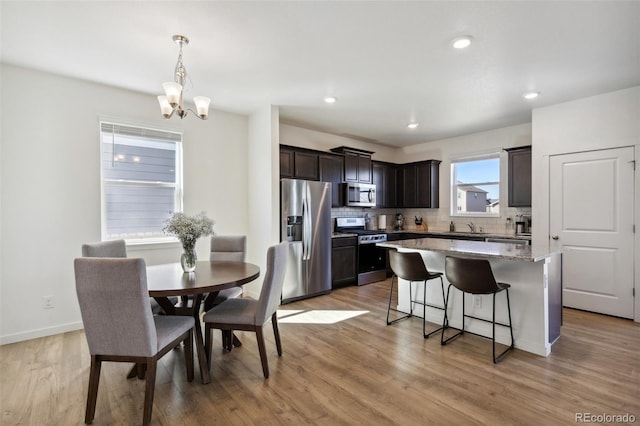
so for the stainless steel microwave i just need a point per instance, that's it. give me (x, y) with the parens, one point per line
(360, 194)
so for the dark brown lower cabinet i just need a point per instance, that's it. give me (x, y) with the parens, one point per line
(344, 258)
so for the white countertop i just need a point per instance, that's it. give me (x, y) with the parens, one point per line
(479, 249)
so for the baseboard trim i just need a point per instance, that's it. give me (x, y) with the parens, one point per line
(41, 332)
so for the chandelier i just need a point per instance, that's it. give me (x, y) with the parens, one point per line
(171, 101)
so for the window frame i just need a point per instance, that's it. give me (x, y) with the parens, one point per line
(493, 155)
(177, 185)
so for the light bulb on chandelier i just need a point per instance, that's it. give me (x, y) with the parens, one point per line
(171, 101)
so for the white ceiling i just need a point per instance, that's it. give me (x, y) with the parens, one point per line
(387, 62)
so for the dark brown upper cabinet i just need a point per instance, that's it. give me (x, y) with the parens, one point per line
(298, 163)
(357, 164)
(306, 165)
(331, 169)
(286, 163)
(519, 176)
(385, 178)
(419, 184)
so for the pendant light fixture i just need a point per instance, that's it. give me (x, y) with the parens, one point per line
(171, 102)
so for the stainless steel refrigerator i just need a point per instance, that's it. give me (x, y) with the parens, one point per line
(305, 210)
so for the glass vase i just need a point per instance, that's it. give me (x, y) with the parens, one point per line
(189, 259)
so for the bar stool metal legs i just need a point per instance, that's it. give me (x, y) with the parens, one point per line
(389, 308)
(499, 357)
(410, 267)
(445, 323)
(474, 276)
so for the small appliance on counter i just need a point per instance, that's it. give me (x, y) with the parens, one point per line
(371, 222)
(399, 225)
(421, 224)
(382, 222)
(523, 224)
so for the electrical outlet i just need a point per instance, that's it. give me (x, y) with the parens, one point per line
(47, 302)
(477, 302)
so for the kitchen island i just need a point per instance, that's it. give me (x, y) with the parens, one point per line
(536, 290)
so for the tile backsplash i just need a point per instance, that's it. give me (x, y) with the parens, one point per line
(438, 219)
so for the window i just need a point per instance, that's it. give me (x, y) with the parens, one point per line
(141, 180)
(475, 186)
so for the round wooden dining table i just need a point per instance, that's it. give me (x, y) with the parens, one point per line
(166, 280)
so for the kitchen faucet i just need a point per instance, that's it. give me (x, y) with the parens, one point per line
(472, 227)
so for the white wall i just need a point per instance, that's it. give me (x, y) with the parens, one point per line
(263, 190)
(605, 121)
(50, 186)
(321, 141)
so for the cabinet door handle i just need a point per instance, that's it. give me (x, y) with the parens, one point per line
(554, 237)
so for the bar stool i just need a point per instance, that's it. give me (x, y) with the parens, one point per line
(474, 276)
(410, 266)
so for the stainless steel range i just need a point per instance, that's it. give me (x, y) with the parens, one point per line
(372, 260)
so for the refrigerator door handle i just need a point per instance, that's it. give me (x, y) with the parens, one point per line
(306, 228)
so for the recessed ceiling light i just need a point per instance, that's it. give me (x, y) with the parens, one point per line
(412, 125)
(461, 42)
(531, 95)
(330, 99)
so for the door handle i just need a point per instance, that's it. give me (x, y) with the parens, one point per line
(554, 237)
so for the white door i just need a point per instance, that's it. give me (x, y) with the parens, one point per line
(591, 219)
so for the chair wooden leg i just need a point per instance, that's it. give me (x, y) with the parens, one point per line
(188, 355)
(133, 372)
(236, 342)
(141, 369)
(263, 352)
(92, 394)
(207, 342)
(227, 344)
(276, 333)
(149, 390)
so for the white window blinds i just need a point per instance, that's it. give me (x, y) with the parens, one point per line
(141, 180)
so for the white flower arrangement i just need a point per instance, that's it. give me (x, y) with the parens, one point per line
(189, 228)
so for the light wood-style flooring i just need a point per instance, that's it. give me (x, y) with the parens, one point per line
(358, 371)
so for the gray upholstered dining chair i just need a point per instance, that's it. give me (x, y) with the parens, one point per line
(230, 248)
(116, 248)
(113, 248)
(252, 315)
(119, 325)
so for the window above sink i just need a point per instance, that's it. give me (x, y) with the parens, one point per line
(475, 186)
